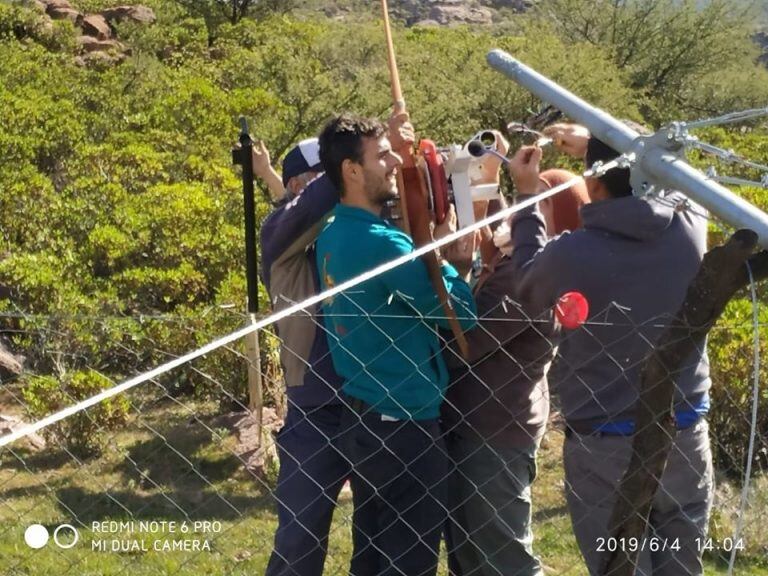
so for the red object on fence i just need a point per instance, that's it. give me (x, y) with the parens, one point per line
(572, 310)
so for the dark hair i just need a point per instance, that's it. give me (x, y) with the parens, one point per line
(342, 139)
(616, 181)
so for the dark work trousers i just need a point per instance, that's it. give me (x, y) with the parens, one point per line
(312, 473)
(399, 478)
(489, 501)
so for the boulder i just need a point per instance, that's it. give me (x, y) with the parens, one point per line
(96, 25)
(256, 448)
(458, 14)
(63, 13)
(417, 12)
(92, 44)
(449, 12)
(100, 60)
(140, 14)
(10, 365)
(515, 5)
(54, 4)
(10, 423)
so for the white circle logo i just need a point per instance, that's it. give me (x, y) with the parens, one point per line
(75, 536)
(36, 536)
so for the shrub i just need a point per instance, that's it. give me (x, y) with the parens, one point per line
(732, 368)
(85, 433)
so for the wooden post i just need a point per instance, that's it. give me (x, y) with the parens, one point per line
(255, 386)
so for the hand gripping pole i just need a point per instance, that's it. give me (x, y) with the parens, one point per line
(659, 159)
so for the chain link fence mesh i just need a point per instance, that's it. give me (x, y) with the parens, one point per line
(174, 476)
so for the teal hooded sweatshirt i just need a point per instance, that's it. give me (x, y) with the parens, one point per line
(383, 332)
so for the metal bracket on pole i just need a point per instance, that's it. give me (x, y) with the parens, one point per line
(659, 159)
(643, 182)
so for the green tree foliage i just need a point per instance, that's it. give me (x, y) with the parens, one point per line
(732, 359)
(85, 433)
(682, 57)
(216, 13)
(731, 342)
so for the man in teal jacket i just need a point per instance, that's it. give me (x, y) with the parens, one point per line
(383, 341)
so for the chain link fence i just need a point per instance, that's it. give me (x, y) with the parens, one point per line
(175, 475)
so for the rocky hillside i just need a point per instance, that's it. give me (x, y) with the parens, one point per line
(429, 12)
(486, 12)
(98, 39)
(448, 12)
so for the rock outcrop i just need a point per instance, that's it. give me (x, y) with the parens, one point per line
(97, 26)
(10, 423)
(11, 365)
(98, 41)
(255, 446)
(140, 14)
(92, 44)
(514, 5)
(456, 12)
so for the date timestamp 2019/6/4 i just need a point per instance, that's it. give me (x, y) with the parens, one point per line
(632, 544)
(656, 544)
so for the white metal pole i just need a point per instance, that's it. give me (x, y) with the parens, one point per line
(659, 163)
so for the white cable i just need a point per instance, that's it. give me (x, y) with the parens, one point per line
(237, 335)
(751, 449)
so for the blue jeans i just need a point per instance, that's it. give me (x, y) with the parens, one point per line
(312, 473)
(489, 506)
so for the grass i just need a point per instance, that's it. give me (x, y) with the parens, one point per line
(167, 467)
